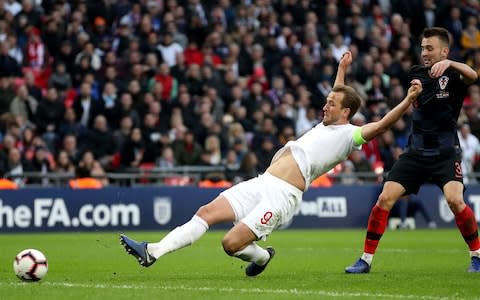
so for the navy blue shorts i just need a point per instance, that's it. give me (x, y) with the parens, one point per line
(412, 170)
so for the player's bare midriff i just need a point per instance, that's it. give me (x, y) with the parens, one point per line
(286, 168)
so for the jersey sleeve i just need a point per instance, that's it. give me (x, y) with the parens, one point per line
(415, 72)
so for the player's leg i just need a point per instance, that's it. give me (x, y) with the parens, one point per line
(240, 242)
(465, 220)
(217, 211)
(377, 223)
(277, 203)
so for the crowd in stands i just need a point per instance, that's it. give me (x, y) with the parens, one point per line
(89, 87)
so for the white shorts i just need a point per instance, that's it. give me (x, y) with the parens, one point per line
(263, 203)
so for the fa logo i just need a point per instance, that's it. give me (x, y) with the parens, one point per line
(162, 210)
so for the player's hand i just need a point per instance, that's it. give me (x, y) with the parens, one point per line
(415, 89)
(439, 67)
(346, 59)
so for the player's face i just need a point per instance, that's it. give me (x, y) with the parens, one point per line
(433, 51)
(333, 112)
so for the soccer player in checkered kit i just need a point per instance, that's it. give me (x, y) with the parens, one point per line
(433, 152)
(262, 204)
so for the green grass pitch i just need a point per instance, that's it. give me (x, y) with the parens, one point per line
(421, 264)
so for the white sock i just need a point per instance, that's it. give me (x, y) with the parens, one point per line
(367, 257)
(253, 253)
(475, 253)
(180, 237)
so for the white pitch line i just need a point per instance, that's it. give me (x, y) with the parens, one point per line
(296, 292)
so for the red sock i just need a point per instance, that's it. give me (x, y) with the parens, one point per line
(377, 222)
(467, 225)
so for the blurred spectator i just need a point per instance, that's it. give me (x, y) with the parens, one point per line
(63, 164)
(122, 134)
(470, 39)
(49, 116)
(169, 48)
(176, 124)
(277, 91)
(187, 150)
(386, 145)
(124, 107)
(338, 47)
(35, 50)
(60, 79)
(85, 165)
(248, 166)
(16, 166)
(100, 141)
(15, 50)
(470, 149)
(192, 54)
(152, 134)
(66, 54)
(267, 129)
(12, 6)
(199, 66)
(24, 104)
(454, 25)
(6, 92)
(287, 134)
(93, 59)
(232, 167)
(307, 118)
(168, 82)
(284, 117)
(361, 164)
(86, 107)
(348, 176)
(109, 98)
(98, 173)
(167, 159)
(43, 163)
(70, 125)
(70, 145)
(193, 80)
(131, 153)
(27, 137)
(33, 89)
(265, 153)
(213, 151)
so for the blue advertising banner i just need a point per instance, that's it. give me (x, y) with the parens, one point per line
(164, 208)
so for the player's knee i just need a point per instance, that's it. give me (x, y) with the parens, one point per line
(229, 246)
(386, 201)
(456, 203)
(203, 211)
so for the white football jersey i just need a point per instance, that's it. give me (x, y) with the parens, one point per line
(320, 149)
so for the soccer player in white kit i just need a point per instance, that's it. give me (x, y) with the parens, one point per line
(262, 204)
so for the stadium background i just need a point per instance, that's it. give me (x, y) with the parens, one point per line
(255, 74)
(198, 94)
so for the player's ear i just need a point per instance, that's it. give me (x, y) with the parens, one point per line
(445, 51)
(346, 112)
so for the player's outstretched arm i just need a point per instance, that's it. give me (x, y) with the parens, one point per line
(468, 74)
(343, 65)
(371, 130)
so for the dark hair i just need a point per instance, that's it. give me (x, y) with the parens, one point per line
(439, 32)
(350, 98)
